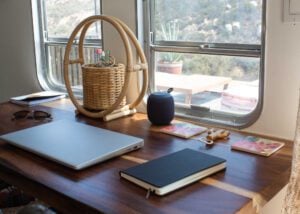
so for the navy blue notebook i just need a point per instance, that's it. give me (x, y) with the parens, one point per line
(173, 171)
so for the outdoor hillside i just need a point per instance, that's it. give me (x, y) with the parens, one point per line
(225, 21)
(64, 15)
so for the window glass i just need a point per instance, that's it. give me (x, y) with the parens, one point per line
(58, 18)
(222, 83)
(55, 61)
(211, 53)
(62, 16)
(211, 21)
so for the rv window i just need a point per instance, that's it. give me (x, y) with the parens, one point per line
(211, 53)
(56, 21)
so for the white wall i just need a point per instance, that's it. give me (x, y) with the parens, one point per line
(112, 41)
(17, 60)
(282, 80)
(278, 118)
(126, 12)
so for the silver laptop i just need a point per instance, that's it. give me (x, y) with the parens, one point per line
(75, 145)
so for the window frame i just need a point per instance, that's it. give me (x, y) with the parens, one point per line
(197, 113)
(43, 42)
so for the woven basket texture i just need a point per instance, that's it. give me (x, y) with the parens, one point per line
(102, 86)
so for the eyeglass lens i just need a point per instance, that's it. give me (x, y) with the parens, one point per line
(31, 115)
(41, 115)
(21, 114)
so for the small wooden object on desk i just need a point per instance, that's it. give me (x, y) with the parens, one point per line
(213, 135)
(115, 109)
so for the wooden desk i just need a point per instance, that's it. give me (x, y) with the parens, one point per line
(189, 84)
(248, 179)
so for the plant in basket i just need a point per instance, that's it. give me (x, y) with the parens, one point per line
(102, 82)
(103, 58)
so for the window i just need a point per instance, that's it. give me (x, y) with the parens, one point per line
(211, 53)
(56, 21)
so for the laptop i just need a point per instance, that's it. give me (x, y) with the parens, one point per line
(73, 144)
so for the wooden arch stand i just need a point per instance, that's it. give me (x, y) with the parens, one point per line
(112, 112)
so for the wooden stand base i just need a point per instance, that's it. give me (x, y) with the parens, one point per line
(115, 115)
(122, 112)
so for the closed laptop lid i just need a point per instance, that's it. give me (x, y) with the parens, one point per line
(73, 144)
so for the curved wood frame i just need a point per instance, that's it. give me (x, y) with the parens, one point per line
(124, 32)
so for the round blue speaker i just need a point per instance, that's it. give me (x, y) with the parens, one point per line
(160, 108)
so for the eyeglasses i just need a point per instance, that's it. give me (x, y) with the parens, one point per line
(34, 114)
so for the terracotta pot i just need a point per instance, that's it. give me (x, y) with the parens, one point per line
(169, 67)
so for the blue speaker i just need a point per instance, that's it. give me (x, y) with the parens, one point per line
(160, 108)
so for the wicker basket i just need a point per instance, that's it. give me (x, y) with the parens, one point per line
(102, 86)
(104, 90)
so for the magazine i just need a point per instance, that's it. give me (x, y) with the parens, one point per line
(257, 145)
(182, 129)
(37, 98)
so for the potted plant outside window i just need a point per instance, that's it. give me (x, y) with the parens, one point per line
(170, 62)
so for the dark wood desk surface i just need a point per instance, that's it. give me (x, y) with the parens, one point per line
(249, 179)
